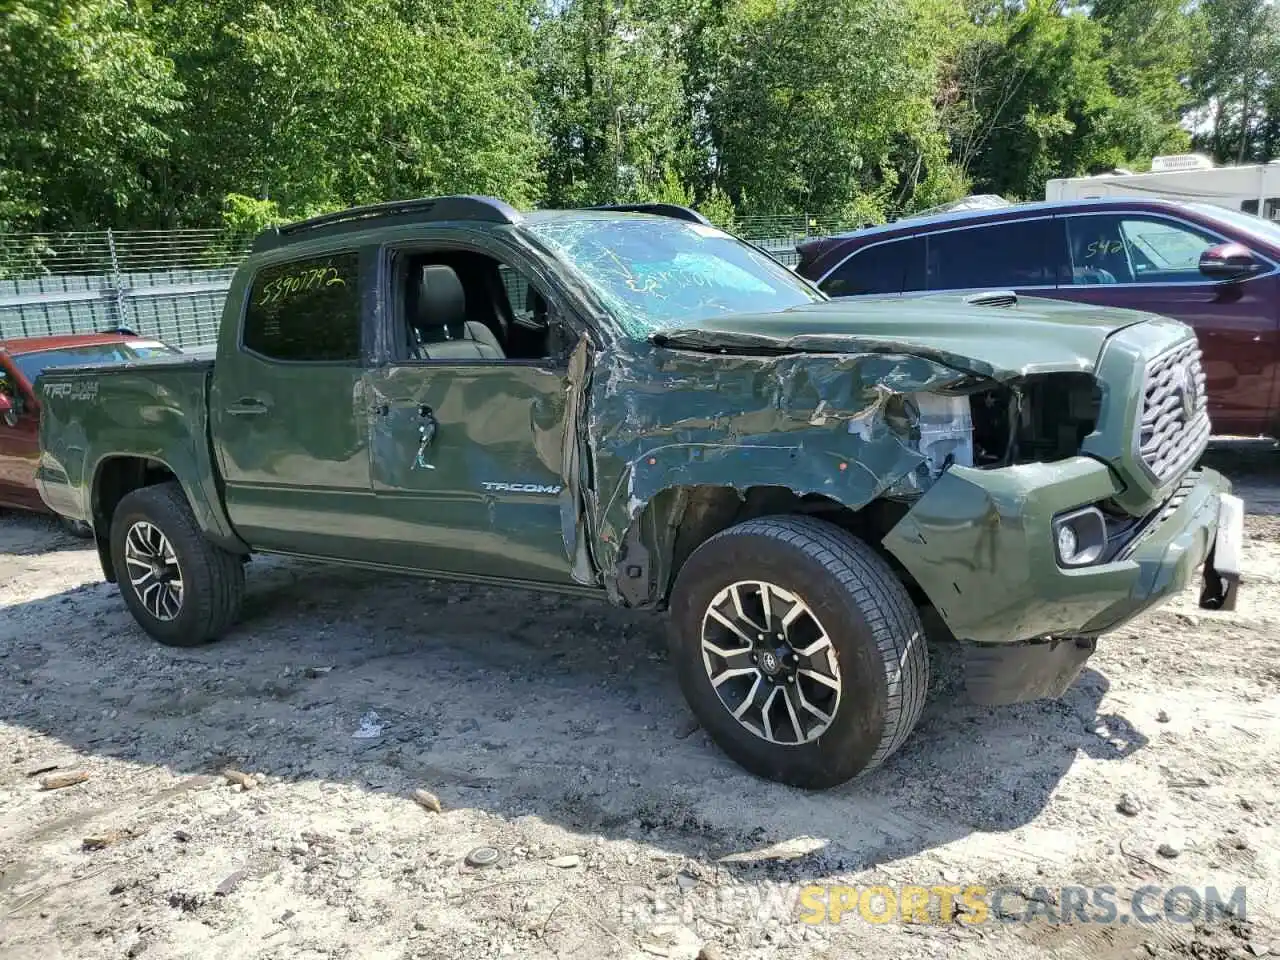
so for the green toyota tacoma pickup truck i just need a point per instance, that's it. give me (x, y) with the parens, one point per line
(629, 404)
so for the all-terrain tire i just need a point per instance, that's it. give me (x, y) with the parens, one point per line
(868, 616)
(212, 578)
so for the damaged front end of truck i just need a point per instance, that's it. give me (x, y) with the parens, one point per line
(959, 468)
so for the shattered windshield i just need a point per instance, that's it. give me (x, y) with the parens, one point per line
(657, 274)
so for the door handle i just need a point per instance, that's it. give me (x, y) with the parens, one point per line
(247, 406)
(426, 433)
(427, 425)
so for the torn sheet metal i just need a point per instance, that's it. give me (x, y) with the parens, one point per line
(814, 424)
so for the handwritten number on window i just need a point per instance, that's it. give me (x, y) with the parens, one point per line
(299, 281)
(1103, 247)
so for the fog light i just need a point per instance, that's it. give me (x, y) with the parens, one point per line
(1080, 537)
(1068, 543)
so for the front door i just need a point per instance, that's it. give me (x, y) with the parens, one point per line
(290, 412)
(1153, 263)
(19, 444)
(470, 419)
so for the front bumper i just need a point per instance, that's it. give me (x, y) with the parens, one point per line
(979, 544)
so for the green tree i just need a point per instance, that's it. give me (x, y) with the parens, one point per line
(1038, 100)
(1149, 46)
(320, 104)
(1238, 80)
(824, 105)
(609, 104)
(85, 106)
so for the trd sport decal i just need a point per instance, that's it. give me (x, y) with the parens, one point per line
(523, 488)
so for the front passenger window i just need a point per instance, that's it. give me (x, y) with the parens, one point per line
(1119, 248)
(459, 305)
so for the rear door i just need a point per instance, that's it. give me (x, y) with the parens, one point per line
(1151, 262)
(290, 411)
(19, 442)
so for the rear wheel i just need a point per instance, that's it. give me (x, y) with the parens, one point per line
(182, 589)
(799, 650)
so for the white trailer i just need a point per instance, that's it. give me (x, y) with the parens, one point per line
(1254, 188)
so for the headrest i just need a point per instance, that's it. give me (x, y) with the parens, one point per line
(442, 304)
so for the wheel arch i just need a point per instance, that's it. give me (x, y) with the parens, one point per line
(664, 532)
(118, 474)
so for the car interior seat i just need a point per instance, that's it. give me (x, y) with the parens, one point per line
(439, 317)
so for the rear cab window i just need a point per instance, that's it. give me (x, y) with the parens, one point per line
(306, 311)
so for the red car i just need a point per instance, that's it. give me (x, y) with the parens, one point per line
(21, 361)
(1212, 268)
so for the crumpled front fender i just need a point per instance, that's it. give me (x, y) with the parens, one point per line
(668, 420)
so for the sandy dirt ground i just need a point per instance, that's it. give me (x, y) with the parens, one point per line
(552, 731)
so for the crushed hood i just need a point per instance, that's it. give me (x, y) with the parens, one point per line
(1031, 336)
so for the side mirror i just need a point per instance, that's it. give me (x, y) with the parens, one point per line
(8, 413)
(1230, 261)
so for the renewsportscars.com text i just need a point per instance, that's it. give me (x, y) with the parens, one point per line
(977, 904)
(971, 904)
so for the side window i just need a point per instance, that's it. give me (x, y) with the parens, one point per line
(461, 305)
(1020, 253)
(1115, 248)
(306, 310)
(893, 267)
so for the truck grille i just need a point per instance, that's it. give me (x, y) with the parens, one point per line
(1174, 428)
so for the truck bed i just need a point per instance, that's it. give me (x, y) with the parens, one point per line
(154, 408)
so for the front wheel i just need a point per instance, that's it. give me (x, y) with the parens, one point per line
(799, 650)
(182, 589)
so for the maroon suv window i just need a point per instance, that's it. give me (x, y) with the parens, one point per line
(1018, 253)
(894, 266)
(1133, 248)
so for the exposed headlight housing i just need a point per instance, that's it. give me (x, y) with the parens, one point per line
(1079, 537)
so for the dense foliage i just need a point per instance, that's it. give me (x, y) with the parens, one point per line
(160, 113)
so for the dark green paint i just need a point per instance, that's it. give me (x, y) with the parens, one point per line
(1036, 336)
(979, 544)
(599, 452)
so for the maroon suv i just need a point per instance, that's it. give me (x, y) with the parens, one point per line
(1212, 268)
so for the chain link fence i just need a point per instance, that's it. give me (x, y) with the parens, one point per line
(164, 284)
(171, 284)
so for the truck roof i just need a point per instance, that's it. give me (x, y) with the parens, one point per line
(472, 209)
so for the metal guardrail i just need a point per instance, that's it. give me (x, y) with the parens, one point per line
(171, 284)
